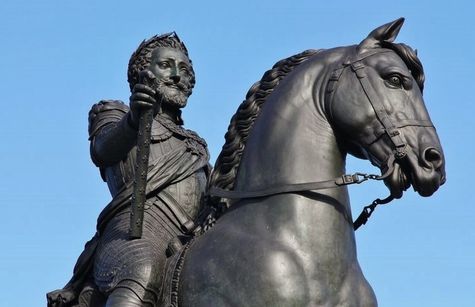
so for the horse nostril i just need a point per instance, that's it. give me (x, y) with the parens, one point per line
(432, 157)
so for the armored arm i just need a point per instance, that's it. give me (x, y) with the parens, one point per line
(113, 126)
(110, 133)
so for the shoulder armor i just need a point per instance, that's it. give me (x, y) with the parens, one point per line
(105, 112)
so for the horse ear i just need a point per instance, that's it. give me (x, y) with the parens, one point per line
(384, 33)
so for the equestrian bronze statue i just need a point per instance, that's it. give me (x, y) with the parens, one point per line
(277, 228)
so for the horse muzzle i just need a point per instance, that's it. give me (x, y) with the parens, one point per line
(426, 172)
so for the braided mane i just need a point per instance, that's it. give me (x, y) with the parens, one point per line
(227, 164)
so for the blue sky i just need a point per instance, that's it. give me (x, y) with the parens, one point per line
(60, 57)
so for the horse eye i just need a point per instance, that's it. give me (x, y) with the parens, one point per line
(395, 80)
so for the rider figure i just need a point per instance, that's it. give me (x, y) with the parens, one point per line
(114, 270)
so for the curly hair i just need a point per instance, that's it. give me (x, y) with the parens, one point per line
(141, 58)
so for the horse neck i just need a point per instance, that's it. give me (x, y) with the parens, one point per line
(319, 222)
(286, 152)
(292, 140)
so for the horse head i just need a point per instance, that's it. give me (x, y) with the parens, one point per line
(374, 101)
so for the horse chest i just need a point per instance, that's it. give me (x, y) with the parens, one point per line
(285, 242)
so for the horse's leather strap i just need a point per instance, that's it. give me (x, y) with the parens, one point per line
(391, 130)
(368, 210)
(296, 187)
(302, 187)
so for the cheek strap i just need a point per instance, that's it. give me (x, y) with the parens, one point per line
(390, 129)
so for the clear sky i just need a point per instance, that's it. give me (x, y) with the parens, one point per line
(60, 57)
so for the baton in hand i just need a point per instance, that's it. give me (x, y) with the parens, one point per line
(141, 168)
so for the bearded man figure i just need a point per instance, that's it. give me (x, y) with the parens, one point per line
(114, 270)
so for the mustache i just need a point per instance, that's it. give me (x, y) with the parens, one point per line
(184, 86)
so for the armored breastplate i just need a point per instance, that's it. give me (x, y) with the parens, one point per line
(189, 193)
(165, 137)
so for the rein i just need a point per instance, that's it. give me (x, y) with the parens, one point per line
(344, 180)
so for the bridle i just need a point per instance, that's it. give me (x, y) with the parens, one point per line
(390, 129)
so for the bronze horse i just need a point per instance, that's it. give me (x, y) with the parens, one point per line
(280, 245)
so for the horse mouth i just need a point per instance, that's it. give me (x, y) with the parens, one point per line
(398, 181)
(407, 173)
